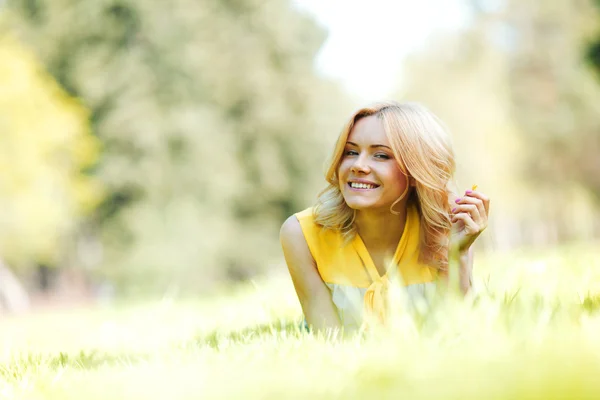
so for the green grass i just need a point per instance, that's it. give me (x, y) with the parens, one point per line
(533, 332)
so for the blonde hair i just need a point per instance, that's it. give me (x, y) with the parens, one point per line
(421, 145)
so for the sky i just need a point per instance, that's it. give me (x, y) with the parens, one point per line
(368, 39)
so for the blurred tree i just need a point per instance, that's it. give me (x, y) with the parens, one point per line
(554, 96)
(45, 148)
(461, 76)
(211, 118)
(593, 50)
(521, 104)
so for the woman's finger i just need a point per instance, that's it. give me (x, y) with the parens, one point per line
(478, 203)
(484, 199)
(470, 209)
(468, 221)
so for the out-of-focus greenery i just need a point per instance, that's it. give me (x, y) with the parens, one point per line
(554, 93)
(531, 334)
(213, 122)
(214, 127)
(522, 105)
(45, 147)
(593, 52)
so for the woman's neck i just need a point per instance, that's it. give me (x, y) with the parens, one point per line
(381, 229)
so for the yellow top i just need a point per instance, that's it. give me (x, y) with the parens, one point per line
(351, 264)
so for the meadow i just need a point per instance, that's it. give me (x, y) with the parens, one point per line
(532, 332)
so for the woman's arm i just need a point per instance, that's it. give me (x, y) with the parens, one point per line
(462, 263)
(314, 296)
(465, 274)
(470, 219)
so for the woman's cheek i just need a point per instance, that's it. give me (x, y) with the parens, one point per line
(343, 169)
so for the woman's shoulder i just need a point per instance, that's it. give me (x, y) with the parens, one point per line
(300, 221)
(301, 226)
(305, 215)
(293, 227)
(310, 228)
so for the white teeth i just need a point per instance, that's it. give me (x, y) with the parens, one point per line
(356, 185)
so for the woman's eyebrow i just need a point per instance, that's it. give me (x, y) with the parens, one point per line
(373, 146)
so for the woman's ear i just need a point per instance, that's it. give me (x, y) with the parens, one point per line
(412, 182)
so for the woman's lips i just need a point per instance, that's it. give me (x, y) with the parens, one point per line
(359, 186)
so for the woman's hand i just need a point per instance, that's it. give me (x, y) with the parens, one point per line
(469, 219)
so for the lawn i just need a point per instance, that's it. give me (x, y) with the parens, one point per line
(532, 332)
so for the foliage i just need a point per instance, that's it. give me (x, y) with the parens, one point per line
(555, 98)
(521, 103)
(212, 120)
(593, 50)
(45, 150)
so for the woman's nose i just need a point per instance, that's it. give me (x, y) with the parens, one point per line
(360, 165)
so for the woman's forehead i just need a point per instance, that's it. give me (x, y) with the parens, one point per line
(368, 131)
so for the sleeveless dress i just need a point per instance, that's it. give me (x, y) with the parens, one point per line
(349, 272)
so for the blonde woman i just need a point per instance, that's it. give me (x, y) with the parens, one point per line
(388, 211)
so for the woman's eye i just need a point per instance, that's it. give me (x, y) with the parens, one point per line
(351, 153)
(382, 155)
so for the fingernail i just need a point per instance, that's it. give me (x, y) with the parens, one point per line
(457, 201)
(468, 191)
(454, 209)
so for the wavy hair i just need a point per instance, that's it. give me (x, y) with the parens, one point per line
(421, 144)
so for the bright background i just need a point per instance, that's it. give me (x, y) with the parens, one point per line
(367, 44)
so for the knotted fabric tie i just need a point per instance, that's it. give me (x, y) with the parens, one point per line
(376, 299)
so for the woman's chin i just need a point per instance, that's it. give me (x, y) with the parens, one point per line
(360, 205)
(365, 201)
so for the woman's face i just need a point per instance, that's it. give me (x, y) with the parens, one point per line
(370, 178)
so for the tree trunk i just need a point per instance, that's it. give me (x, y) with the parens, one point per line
(13, 296)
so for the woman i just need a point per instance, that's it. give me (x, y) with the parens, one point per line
(388, 211)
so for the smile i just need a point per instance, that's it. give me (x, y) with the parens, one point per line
(362, 186)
